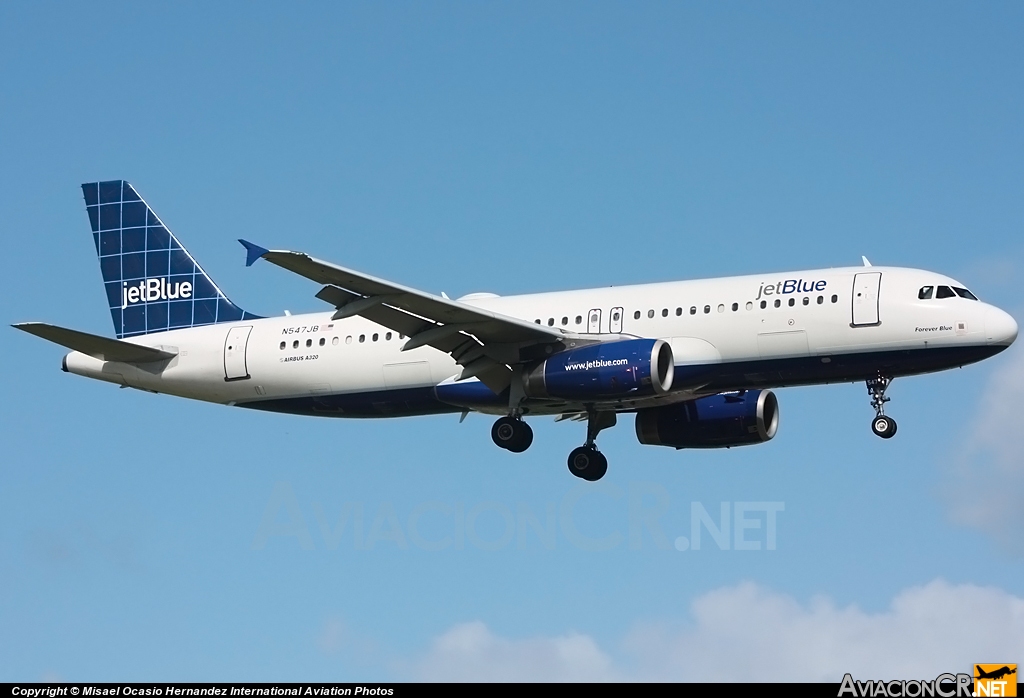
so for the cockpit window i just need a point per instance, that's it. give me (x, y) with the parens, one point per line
(925, 293)
(964, 293)
(945, 292)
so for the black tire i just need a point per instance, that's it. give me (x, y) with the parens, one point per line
(522, 439)
(504, 432)
(588, 463)
(512, 434)
(883, 426)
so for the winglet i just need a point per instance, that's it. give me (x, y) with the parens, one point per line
(865, 259)
(252, 252)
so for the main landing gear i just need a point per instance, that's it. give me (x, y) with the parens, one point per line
(512, 434)
(882, 425)
(586, 461)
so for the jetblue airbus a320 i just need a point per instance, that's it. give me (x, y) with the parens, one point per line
(694, 361)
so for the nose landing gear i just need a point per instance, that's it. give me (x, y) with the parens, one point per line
(882, 425)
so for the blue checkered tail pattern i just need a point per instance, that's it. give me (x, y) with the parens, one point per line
(153, 284)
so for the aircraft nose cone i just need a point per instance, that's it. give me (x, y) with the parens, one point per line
(1000, 326)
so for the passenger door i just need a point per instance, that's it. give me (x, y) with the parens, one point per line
(865, 298)
(235, 368)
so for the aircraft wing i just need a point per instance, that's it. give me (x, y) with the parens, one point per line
(483, 342)
(102, 348)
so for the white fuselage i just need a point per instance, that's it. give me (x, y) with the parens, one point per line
(828, 327)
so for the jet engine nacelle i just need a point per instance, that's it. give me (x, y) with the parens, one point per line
(610, 370)
(716, 421)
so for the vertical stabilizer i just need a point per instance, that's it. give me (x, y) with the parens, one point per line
(153, 284)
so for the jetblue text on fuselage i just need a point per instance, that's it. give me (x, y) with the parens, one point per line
(780, 288)
(149, 290)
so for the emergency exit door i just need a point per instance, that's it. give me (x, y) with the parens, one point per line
(594, 321)
(235, 368)
(865, 298)
(615, 321)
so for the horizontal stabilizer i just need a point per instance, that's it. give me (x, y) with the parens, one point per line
(102, 348)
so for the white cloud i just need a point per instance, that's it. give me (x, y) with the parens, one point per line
(985, 483)
(471, 652)
(749, 633)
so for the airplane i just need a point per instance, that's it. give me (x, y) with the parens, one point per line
(695, 362)
(995, 674)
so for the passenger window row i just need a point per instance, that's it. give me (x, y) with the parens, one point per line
(693, 310)
(337, 340)
(735, 306)
(565, 321)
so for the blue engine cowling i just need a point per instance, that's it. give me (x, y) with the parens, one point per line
(716, 421)
(610, 371)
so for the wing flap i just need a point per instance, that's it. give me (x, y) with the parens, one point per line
(451, 339)
(102, 348)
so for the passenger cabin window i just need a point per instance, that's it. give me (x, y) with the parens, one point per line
(792, 302)
(925, 293)
(664, 312)
(835, 298)
(735, 307)
(707, 309)
(282, 346)
(693, 310)
(764, 304)
(565, 321)
(323, 341)
(778, 303)
(821, 299)
(679, 311)
(944, 292)
(650, 313)
(636, 315)
(579, 318)
(964, 293)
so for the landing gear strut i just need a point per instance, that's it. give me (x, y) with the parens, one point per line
(512, 434)
(586, 461)
(882, 425)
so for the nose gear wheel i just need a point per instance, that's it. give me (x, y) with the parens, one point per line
(881, 425)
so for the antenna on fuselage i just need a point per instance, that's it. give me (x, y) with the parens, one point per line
(866, 262)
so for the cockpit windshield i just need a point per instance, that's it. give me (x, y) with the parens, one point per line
(925, 293)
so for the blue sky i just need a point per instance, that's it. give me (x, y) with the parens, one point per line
(506, 148)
